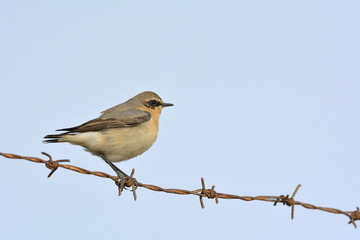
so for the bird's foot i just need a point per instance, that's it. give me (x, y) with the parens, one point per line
(126, 181)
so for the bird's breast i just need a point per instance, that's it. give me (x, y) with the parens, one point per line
(125, 143)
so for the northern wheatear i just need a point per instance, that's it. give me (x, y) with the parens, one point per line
(121, 132)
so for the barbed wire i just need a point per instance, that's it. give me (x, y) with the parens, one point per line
(53, 165)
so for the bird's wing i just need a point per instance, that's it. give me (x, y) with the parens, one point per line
(127, 118)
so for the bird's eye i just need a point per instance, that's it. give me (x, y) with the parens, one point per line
(154, 102)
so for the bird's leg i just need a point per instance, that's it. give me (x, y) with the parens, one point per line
(115, 168)
(122, 176)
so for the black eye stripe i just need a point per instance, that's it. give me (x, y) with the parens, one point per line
(153, 103)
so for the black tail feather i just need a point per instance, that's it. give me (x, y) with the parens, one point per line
(53, 138)
(51, 141)
(67, 129)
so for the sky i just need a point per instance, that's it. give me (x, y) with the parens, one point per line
(266, 97)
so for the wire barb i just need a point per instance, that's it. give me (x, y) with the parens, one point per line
(203, 192)
(209, 193)
(289, 201)
(53, 165)
(128, 182)
(354, 216)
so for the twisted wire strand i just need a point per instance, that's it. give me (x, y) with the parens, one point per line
(203, 192)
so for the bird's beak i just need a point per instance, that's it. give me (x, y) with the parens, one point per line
(167, 104)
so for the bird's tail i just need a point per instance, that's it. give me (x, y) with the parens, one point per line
(54, 138)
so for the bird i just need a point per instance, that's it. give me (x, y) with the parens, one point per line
(120, 133)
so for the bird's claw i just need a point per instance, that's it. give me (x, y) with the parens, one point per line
(125, 182)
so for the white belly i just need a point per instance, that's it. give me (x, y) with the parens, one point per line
(117, 144)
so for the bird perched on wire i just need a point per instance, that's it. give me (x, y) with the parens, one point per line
(120, 133)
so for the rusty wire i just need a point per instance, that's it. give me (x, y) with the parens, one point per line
(53, 165)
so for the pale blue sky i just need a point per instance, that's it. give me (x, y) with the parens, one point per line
(266, 96)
